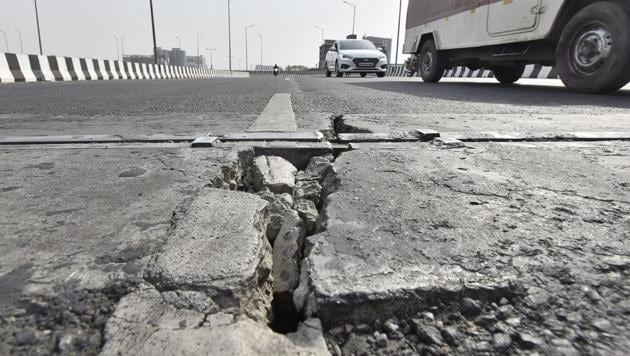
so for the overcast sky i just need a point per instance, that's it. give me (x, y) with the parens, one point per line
(86, 28)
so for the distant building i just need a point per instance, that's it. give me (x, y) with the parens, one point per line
(194, 61)
(175, 57)
(264, 68)
(384, 43)
(178, 57)
(323, 50)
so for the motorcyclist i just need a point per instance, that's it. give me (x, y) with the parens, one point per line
(276, 70)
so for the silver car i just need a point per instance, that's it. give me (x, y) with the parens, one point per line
(355, 56)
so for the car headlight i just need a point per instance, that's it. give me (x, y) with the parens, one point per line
(382, 56)
(345, 56)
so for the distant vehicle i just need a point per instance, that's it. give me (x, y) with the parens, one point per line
(588, 41)
(355, 56)
(276, 70)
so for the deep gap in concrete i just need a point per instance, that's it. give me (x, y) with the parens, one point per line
(311, 189)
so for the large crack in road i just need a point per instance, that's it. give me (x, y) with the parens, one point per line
(377, 248)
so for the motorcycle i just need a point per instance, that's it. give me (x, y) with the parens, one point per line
(276, 71)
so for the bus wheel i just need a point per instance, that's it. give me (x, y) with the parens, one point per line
(432, 63)
(508, 74)
(594, 49)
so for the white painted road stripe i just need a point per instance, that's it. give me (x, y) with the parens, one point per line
(278, 116)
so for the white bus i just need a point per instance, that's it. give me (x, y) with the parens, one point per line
(588, 41)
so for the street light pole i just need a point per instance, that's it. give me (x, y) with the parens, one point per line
(117, 48)
(322, 30)
(122, 47)
(211, 50)
(6, 41)
(155, 53)
(20, 37)
(39, 33)
(179, 42)
(354, 16)
(261, 51)
(398, 33)
(230, 33)
(198, 55)
(247, 47)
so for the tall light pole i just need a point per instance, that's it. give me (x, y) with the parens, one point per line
(398, 33)
(247, 47)
(179, 42)
(39, 33)
(20, 37)
(354, 16)
(322, 30)
(198, 56)
(230, 33)
(211, 50)
(6, 41)
(155, 51)
(117, 48)
(122, 47)
(261, 51)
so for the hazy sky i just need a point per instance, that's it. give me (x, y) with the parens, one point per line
(86, 28)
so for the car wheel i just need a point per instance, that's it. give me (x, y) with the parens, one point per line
(339, 74)
(328, 73)
(594, 49)
(380, 75)
(508, 74)
(432, 63)
(363, 75)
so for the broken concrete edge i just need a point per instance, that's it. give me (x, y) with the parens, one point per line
(92, 139)
(337, 309)
(188, 297)
(314, 136)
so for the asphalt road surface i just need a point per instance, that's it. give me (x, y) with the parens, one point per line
(479, 246)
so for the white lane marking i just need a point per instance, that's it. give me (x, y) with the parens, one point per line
(278, 116)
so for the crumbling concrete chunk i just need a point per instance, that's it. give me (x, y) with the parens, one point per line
(279, 205)
(319, 166)
(144, 325)
(308, 212)
(307, 187)
(209, 251)
(274, 173)
(287, 253)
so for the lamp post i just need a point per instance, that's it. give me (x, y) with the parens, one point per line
(398, 33)
(211, 50)
(117, 48)
(247, 47)
(229, 34)
(198, 56)
(122, 47)
(20, 37)
(354, 16)
(322, 30)
(39, 34)
(261, 51)
(155, 54)
(6, 41)
(179, 42)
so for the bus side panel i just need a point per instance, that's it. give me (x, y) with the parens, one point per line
(468, 29)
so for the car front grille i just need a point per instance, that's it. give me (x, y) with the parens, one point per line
(365, 62)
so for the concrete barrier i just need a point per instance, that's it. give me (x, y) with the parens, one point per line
(532, 71)
(35, 68)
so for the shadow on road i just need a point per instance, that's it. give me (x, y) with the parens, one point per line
(494, 93)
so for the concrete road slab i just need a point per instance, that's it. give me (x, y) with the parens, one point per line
(416, 228)
(508, 124)
(77, 229)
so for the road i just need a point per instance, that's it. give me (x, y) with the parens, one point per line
(510, 240)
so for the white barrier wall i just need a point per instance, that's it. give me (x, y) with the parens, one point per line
(34, 68)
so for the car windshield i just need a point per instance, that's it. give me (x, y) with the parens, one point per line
(355, 44)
